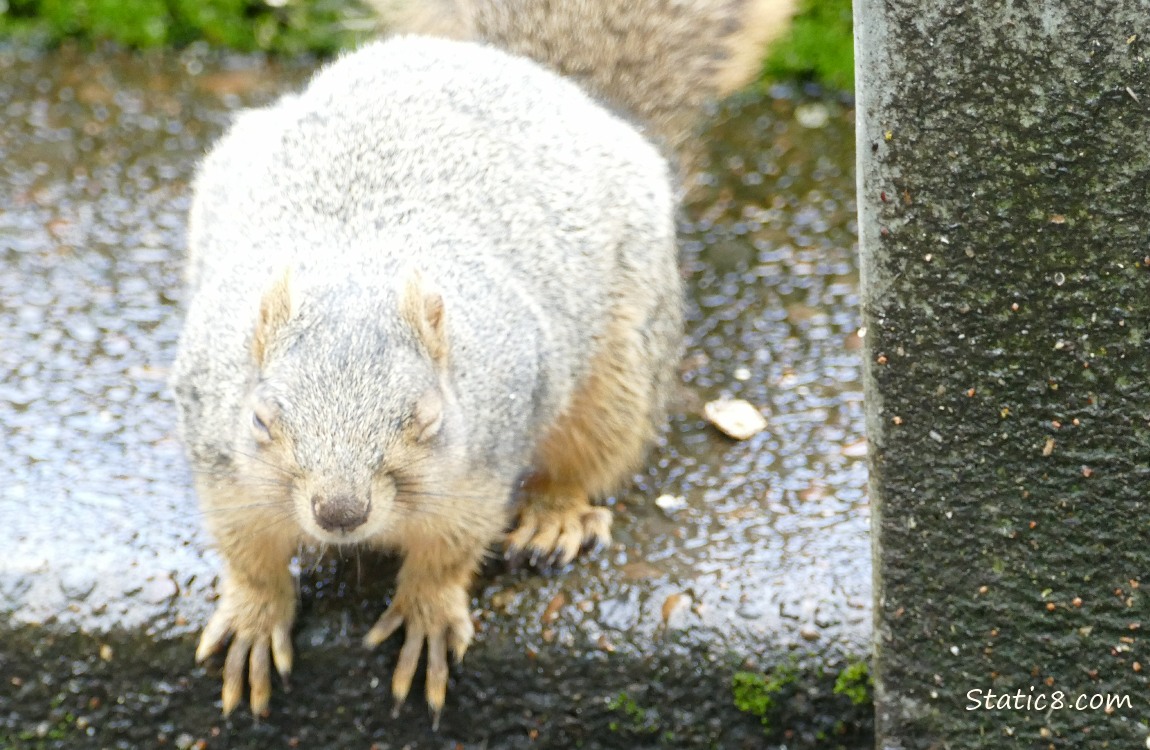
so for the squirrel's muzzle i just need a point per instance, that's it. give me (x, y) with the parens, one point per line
(339, 513)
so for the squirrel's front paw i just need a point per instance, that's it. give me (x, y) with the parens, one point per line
(436, 614)
(259, 623)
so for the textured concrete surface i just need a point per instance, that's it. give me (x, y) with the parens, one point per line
(757, 557)
(1004, 178)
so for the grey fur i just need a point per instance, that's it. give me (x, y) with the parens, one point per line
(533, 211)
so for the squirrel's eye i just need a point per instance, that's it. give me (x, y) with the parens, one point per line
(428, 417)
(431, 429)
(260, 428)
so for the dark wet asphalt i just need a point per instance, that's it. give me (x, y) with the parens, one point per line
(757, 553)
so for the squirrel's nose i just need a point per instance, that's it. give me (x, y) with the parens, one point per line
(339, 512)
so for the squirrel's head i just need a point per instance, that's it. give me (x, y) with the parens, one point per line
(352, 406)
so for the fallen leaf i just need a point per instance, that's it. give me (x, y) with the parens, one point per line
(637, 571)
(551, 614)
(674, 603)
(735, 418)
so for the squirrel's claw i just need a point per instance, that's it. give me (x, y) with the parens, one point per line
(387, 624)
(597, 527)
(234, 667)
(282, 653)
(556, 536)
(408, 661)
(215, 634)
(436, 688)
(259, 675)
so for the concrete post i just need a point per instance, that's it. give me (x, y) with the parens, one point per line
(1004, 199)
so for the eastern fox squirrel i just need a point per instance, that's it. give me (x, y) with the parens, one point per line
(655, 61)
(440, 278)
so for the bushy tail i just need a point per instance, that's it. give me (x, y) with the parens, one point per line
(655, 61)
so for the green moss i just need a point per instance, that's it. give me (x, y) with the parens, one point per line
(756, 694)
(63, 729)
(290, 27)
(809, 703)
(854, 681)
(216, 21)
(820, 45)
(636, 718)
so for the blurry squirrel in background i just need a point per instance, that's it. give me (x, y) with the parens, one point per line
(433, 294)
(657, 62)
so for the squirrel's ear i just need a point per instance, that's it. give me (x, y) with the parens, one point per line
(276, 308)
(422, 307)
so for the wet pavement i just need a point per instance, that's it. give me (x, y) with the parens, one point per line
(728, 555)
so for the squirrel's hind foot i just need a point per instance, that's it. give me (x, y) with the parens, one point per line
(554, 531)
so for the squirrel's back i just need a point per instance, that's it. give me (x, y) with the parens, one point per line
(658, 61)
(420, 132)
